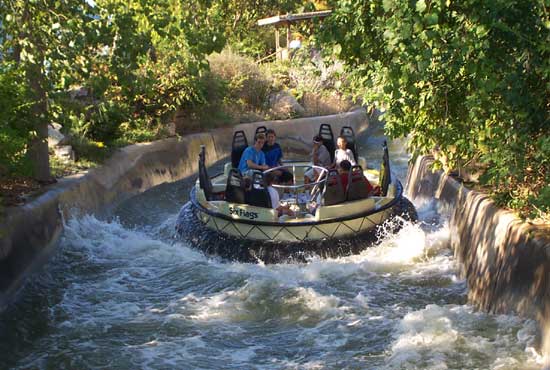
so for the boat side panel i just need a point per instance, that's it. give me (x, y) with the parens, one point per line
(291, 233)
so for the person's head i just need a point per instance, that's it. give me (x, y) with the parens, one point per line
(342, 142)
(317, 141)
(269, 178)
(259, 140)
(345, 166)
(270, 136)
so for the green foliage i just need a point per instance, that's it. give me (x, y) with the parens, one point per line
(15, 122)
(246, 84)
(465, 77)
(240, 23)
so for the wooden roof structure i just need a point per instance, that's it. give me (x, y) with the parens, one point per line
(286, 20)
(289, 18)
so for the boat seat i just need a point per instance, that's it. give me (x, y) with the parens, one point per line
(205, 183)
(258, 195)
(260, 130)
(325, 131)
(357, 184)
(234, 190)
(239, 144)
(334, 192)
(349, 134)
(385, 171)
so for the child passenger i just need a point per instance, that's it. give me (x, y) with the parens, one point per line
(342, 153)
(274, 195)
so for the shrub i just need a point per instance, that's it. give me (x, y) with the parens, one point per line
(247, 86)
(15, 123)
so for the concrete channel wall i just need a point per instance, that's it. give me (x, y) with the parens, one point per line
(28, 234)
(505, 261)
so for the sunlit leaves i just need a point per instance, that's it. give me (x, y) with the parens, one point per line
(464, 77)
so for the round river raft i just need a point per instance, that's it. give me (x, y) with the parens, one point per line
(234, 219)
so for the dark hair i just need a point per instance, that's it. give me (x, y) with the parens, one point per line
(270, 131)
(318, 139)
(345, 165)
(343, 138)
(269, 178)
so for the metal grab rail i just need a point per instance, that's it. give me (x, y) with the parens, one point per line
(297, 189)
(321, 178)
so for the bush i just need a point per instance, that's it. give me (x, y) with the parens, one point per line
(247, 86)
(15, 122)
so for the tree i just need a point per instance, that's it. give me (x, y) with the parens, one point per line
(463, 77)
(39, 37)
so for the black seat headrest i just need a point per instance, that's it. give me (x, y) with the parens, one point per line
(238, 145)
(234, 190)
(260, 130)
(325, 132)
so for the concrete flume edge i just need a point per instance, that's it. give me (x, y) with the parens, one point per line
(30, 233)
(505, 261)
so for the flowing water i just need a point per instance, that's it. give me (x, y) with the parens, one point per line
(123, 293)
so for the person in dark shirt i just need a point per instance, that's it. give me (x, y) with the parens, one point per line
(344, 168)
(273, 157)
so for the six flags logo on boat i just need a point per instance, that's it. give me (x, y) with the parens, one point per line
(234, 211)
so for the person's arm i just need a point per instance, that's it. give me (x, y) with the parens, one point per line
(250, 163)
(280, 160)
(351, 157)
(315, 155)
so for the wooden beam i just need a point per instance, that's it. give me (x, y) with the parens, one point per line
(287, 35)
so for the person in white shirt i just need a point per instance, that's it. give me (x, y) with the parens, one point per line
(274, 195)
(342, 153)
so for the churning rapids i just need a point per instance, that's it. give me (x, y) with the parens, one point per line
(122, 293)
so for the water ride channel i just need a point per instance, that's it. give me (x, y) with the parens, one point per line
(123, 292)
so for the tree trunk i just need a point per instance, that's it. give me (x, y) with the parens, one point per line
(38, 150)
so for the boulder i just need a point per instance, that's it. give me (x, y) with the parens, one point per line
(64, 152)
(55, 137)
(284, 105)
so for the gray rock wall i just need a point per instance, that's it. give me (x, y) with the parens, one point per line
(29, 234)
(505, 261)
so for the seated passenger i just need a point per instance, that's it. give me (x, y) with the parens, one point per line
(319, 157)
(345, 167)
(343, 170)
(273, 156)
(253, 157)
(274, 195)
(342, 153)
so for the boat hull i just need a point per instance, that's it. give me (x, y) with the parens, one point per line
(270, 242)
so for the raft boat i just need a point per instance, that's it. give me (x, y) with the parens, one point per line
(239, 223)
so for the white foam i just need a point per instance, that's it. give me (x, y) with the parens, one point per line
(446, 336)
(130, 278)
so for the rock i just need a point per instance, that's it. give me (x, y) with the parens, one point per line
(64, 152)
(284, 105)
(55, 137)
(171, 128)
